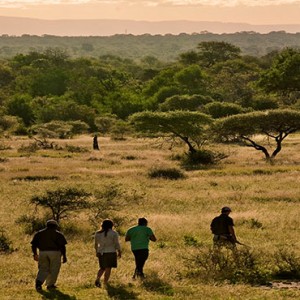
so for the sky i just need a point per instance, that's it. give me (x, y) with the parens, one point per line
(237, 11)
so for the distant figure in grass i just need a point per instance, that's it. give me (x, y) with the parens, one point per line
(139, 237)
(52, 251)
(223, 231)
(95, 143)
(107, 247)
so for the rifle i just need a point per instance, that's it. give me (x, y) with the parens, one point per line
(242, 244)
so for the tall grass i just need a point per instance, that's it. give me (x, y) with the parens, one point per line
(264, 199)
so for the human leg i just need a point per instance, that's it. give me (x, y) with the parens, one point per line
(54, 267)
(107, 275)
(140, 256)
(43, 269)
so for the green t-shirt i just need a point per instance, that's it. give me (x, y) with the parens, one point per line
(139, 237)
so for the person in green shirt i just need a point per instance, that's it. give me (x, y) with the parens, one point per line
(139, 237)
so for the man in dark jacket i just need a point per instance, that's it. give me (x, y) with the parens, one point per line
(222, 229)
(52, 251)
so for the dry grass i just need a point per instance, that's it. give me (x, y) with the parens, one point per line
(264, 198)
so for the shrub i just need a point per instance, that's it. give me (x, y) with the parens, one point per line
(31, 223)
(202, 157)
(76, 149)
(166, 173)
(191, 241)
(35, 178)
(62, 201)
(288, 264)
(5, 243)
(225, 265)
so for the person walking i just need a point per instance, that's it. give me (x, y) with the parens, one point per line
(52, 251)
(139, 237)
(107, 247)
(222, 229)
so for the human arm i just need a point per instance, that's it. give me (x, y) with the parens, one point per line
(152, 238)
(232, 233)
(34, 247)
(34, 251)
(64, 254)
(117, 245)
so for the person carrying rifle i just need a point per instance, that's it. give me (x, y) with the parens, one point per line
(223, 231)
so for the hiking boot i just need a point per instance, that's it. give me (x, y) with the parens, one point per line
(38, 286)
(51, 287)
(97, 283)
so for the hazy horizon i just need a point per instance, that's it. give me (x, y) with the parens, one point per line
(253, 12)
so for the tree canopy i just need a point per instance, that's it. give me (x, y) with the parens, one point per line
(187, 126)
(276, 125)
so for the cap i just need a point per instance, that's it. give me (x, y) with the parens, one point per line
(225, 209)
(52, 222)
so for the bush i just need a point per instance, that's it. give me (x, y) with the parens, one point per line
(76, 149)
(166, 173)
(5, 243)
(225, 265)
(35, 178)
(202, 157)
(288, 264)
(32, 223)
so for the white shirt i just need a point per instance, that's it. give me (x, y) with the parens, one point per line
(108, 243)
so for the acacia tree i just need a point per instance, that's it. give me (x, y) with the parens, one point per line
(187, 126)
(62, 201)
(276, 125)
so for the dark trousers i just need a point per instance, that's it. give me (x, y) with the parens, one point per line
(140, 256)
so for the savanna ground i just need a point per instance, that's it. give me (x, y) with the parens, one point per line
(264, 198)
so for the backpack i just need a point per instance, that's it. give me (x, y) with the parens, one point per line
(216, 226)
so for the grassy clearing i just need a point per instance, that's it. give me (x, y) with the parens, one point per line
(264, 198)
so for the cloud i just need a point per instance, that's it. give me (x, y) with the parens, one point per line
(228, 3)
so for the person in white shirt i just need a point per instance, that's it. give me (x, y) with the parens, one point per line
(107, 247)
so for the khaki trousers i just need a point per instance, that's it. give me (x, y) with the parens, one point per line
(49, 266)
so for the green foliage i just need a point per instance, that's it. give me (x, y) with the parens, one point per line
(222, 109)
(166, 173)
(191, 241)
(8, 123)
(212, 52)
(185, 102)
(119, 129)
(62, 201)
(59, 129)
(187, 126)
(105, 122)
(284, 75)
(20, 106)
(201, 157)
(225, 265)
(191, 80)
(275, 124)
(288, 264)
(264, 103)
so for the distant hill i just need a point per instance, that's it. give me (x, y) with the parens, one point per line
(164, 47)
(19, 26)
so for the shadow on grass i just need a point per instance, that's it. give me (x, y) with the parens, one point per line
(153, 283)
(120, 293)
(56, 295)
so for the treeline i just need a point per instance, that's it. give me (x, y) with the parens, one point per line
(54, 95)
(164, 47)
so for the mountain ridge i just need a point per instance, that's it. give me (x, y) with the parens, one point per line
(19, 26)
